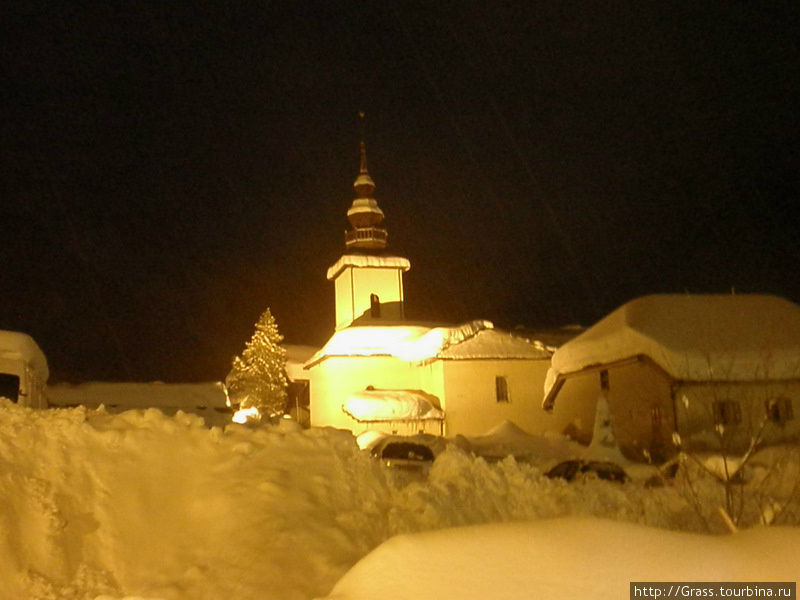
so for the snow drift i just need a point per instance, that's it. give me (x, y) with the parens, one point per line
(561, 559)
(142, 505)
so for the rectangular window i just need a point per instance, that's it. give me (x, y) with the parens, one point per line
(501, 388)
(779, 410)
(727, 412)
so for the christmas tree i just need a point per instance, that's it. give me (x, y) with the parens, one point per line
(257, 379)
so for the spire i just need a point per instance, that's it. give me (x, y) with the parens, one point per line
(363, 184)
(364, 215)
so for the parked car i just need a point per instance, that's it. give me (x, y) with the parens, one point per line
(412, 453)
(573, 469)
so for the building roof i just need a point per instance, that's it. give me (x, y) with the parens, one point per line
(693, 338)
(20, 346)
(418, 343)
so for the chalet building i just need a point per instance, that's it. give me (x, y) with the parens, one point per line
(379, 371)
(717, 369)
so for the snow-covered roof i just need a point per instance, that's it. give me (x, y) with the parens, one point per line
(15, 345)
(416, 343)
(129, 395)
(296, 357)
(693, 338)
(494, 343)
(368, 260)
(392, 405)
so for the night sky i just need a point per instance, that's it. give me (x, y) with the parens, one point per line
(168, 172)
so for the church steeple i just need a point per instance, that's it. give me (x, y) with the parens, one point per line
(368, 281)
(366, 218)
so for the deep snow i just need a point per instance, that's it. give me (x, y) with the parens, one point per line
(149, 506)
(562, 559)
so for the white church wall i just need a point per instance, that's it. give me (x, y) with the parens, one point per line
(470, 397)
(334, 379)
(354, 287)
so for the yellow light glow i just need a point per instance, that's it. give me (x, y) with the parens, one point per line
(246, 415)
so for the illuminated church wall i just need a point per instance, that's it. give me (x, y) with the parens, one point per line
(471, 404)
(355, 286)
(334, 380)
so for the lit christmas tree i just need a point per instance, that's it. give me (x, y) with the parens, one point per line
(257, 380)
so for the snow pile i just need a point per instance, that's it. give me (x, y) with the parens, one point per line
(155, 507)
(159, 507)
(694, 338)
(392, 405)
(506, 439)
(562, 559)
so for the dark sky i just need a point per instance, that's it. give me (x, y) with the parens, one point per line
(168, 172)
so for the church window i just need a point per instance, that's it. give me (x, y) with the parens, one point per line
(501, 388)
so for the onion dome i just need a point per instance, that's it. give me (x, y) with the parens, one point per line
(364, 215)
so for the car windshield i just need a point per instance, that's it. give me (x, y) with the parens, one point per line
(407, 451)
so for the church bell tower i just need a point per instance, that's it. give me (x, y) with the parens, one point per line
(368, 280)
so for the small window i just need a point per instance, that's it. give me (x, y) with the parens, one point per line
(501, 388)
(9, 386)
(604, 380)
(374, 306)
(779, 410)
(727, 412)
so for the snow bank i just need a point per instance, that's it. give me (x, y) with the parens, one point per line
(562, 559)
(159, 507)
(155, 507)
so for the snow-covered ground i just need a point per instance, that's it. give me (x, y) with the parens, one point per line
(558, 559)
(143, 505)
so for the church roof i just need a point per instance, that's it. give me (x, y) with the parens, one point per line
(416, 343)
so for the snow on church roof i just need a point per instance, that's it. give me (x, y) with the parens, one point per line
(416, 343)
(392, 405)
(368, 260)
(693, 338)
(15, 345)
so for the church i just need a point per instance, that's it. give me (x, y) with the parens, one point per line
(379, 371)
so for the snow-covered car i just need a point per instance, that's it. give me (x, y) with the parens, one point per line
(573, 469)
(413, 453)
